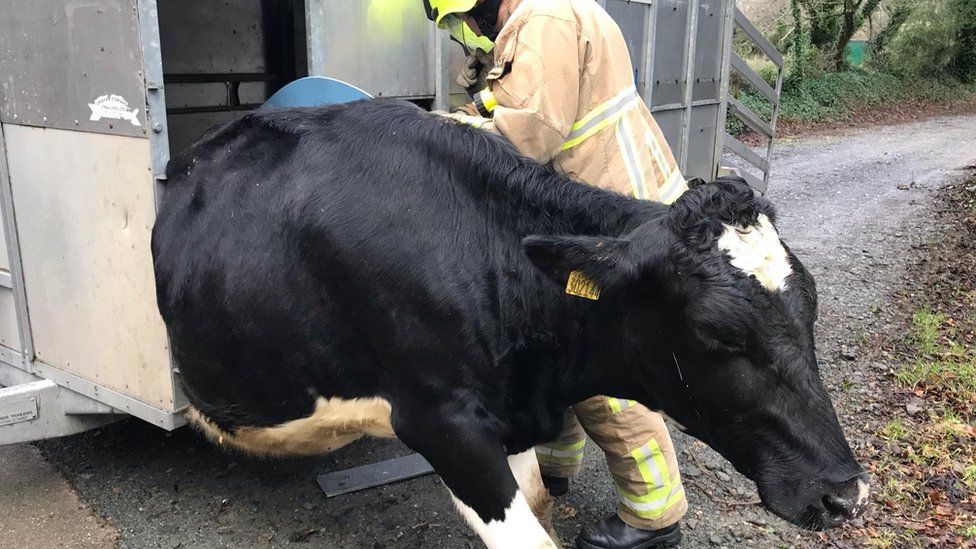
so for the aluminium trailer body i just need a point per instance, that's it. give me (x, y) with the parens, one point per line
(96, 95)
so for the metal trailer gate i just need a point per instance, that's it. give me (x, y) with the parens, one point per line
(95, 95)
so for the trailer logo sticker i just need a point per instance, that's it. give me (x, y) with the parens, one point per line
(114, 107)
(15, 411)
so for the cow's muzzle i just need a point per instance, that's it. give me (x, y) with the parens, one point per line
(846, 501)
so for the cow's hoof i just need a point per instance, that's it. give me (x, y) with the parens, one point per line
(613, 533)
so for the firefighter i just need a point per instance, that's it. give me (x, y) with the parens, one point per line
(560, 87)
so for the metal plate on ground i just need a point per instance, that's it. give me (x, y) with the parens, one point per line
(14, 411)
(375, 474)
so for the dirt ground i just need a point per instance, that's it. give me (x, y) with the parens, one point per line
(853, 206)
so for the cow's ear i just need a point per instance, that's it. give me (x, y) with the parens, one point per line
(606, 261)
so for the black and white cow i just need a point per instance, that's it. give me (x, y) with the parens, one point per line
(374, 269)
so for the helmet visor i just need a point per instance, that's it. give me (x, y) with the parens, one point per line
(463, 34)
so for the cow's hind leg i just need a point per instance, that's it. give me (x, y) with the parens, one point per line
(476, 470)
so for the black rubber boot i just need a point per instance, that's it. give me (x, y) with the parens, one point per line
(557, 486)
(613, 533)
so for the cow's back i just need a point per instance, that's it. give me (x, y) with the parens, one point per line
(293, 247)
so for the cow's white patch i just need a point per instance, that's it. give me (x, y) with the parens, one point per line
(525, 468)
(114, 107)
(757, 251)
(519, 529)
(335, 423)
(863, 490)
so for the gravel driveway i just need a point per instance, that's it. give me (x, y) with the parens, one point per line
(850, 205)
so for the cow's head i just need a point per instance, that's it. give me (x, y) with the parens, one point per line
(717, 318)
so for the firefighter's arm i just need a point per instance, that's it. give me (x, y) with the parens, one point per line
(537, 98)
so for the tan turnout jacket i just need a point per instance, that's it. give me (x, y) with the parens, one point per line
(562, 91)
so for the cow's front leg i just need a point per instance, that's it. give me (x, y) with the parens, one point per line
(476, 470)
(525, 467)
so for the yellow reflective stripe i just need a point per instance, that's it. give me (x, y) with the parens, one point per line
(650, 469)
(618, 405)
(675, 184)
(655, 508)
(572, 458)
(565, 447)
(656, 151)
(555, 453)
(658, 494)
(628, 150)
(622, 96)
(674, 188)
(662, 464)
(601, 117)
(559, 457)
(662, 493)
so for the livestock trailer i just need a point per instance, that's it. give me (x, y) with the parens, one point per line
(96, 95)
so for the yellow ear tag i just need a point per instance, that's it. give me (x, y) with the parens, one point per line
(581, 286)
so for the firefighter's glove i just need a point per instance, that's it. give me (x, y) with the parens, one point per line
(473, 66)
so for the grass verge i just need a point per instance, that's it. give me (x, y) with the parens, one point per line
(922, 455)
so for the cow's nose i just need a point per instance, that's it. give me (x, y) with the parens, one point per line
(848, 500)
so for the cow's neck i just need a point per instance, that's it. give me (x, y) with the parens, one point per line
(585, 340)
(604, 364)
(540, 202)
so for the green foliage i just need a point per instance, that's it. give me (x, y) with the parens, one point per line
(898, 13)
(926, 325)
(930, 38)
(945, 368)
(831, 96)
(824, 21)
(830, 24)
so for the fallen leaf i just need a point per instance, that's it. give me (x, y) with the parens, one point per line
(301, 536)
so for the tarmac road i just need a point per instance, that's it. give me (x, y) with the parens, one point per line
(841, 209)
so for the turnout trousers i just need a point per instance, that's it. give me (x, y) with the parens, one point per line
(639, 454)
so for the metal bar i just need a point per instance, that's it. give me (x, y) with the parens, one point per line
(161, 418)
(677, 106)
(772, 124)
(13, 250)
(159, 152)
(315, 15)
(222, 77)
(213, 108)
(6, 281)
(442, 69)
(647, 53)
(751, 119)
(13, 358)
(757, 82)
(741, 149)
(40, 409)
(755, 182)
(152, 61)
(72, 402)
(691, 44)
(723, 92)
(374, 474)
(746, 25)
